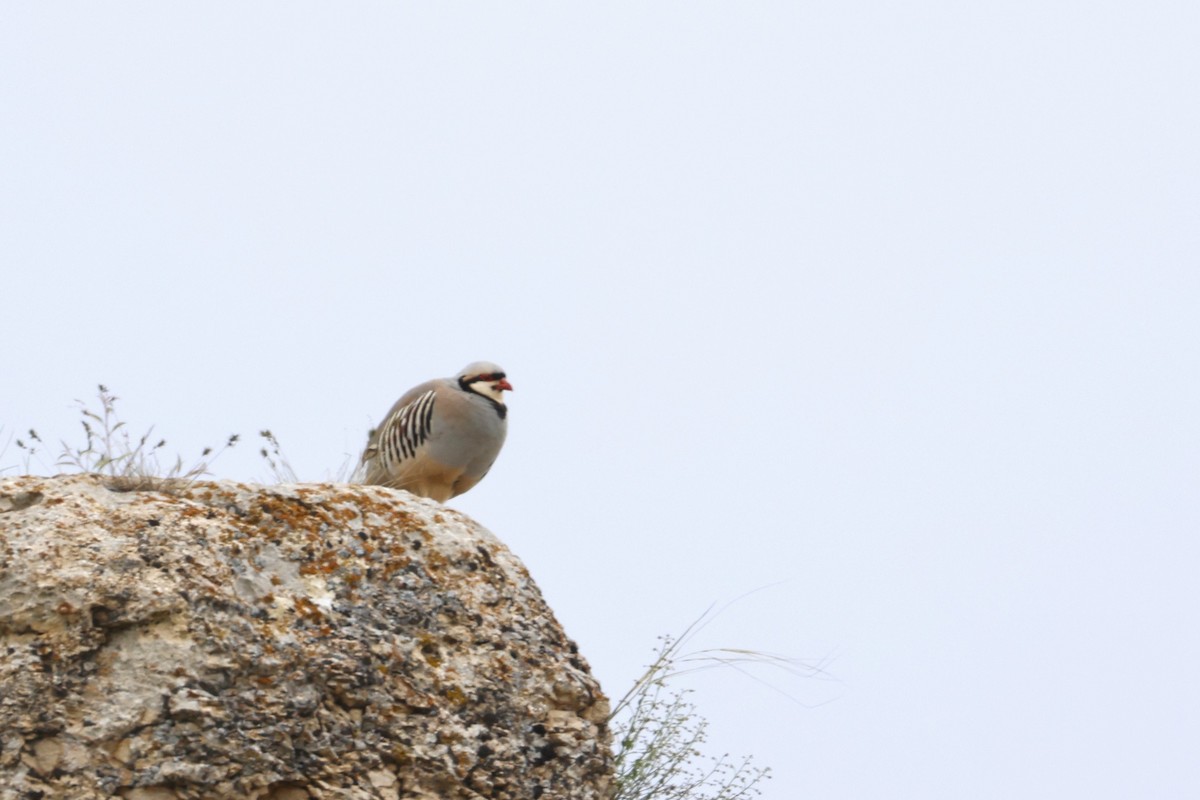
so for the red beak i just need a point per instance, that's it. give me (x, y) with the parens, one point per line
(503, 384)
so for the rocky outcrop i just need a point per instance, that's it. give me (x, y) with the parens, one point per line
(224, 640)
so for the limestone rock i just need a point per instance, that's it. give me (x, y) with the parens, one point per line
(224, 640)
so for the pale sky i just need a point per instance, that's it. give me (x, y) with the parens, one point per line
(893, 306)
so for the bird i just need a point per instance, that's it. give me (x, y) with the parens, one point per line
(442, 436)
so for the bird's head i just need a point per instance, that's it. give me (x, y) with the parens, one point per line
(484, 378)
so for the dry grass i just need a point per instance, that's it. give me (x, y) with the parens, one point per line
(659, 734)
(127, 463)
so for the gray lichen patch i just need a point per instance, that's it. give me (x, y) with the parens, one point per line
(303, 641)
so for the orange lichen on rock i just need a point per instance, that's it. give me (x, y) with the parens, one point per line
(226, 640)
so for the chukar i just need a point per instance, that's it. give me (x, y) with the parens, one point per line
(440, 438)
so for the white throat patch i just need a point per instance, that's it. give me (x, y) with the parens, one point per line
(487, 389)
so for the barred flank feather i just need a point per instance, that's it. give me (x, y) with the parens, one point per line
(406, 430)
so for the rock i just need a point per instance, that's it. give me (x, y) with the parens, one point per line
(223, 640)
